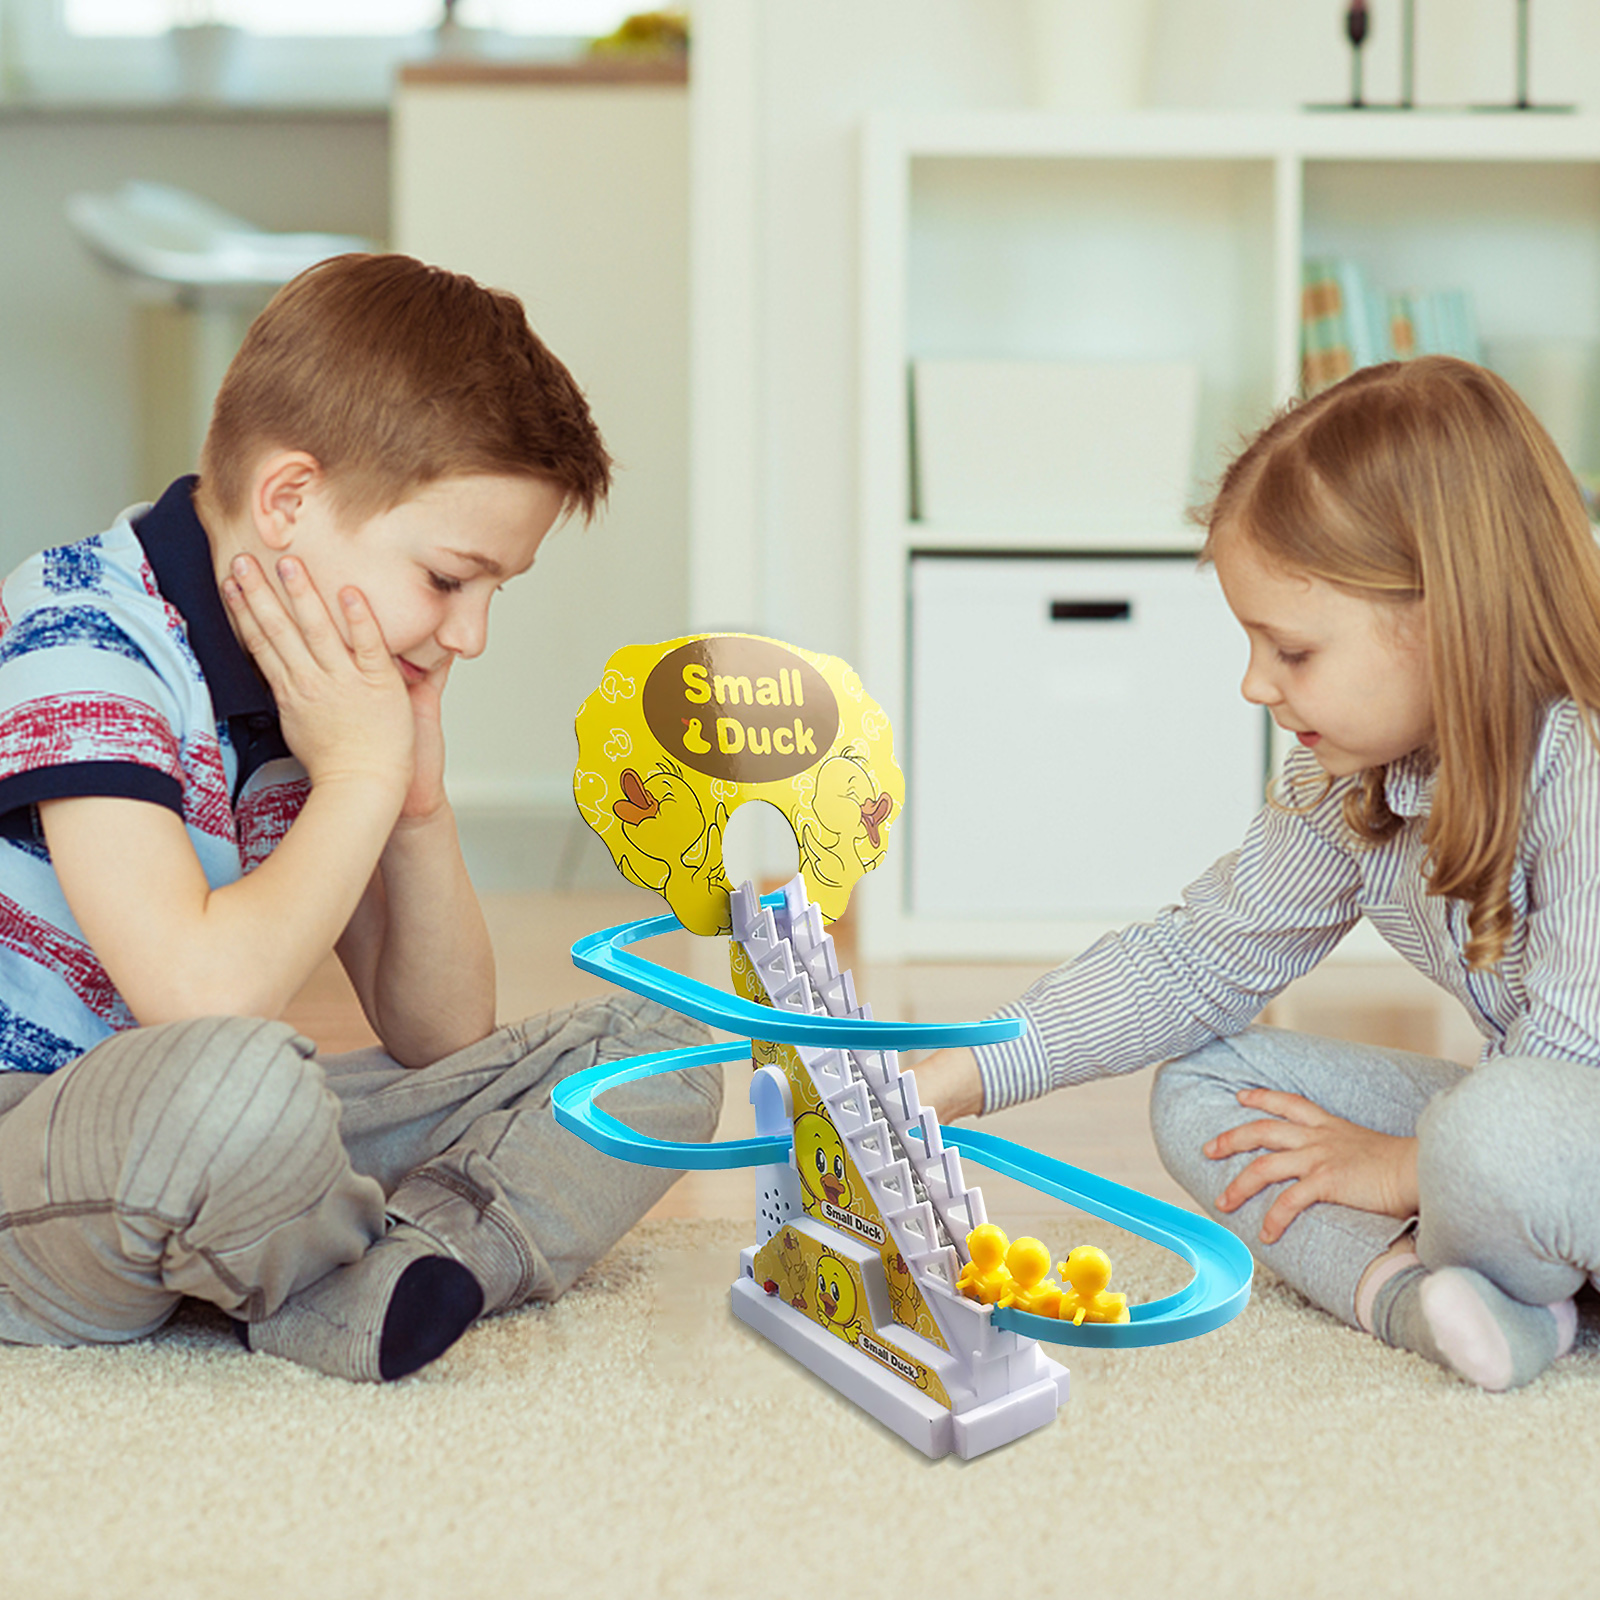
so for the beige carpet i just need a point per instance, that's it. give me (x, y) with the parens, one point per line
(636, 1440)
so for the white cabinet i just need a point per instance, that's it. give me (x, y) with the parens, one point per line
(1078, 748)
(1151, 237)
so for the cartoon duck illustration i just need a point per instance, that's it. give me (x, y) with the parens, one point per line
(1085, 1274)
(984, 1277)
(791, 1258)
(897, 1272)
(1028, 1262)
(819, 1155)
(679, 855)
(905, 1303)
(843, 836)
(836, 1294)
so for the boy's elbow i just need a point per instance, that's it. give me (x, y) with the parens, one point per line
(177, 1000)
(415, 1048)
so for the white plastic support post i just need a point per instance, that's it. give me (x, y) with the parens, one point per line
(910, 1105)
(950, 1162)
(773, 1102)
(778, 1195)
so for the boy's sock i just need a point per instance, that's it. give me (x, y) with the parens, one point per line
(1459, 1319)
(397, 1308)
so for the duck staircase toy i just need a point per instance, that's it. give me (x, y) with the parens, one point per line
(862, 1206)
(864, 1293)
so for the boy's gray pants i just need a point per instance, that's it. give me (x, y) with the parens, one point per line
(1508, 1160)
(221, 1159)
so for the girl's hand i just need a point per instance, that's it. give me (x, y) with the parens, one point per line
(344, 708)
(1326, 1157)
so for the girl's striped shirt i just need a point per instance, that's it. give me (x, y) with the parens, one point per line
(1268, 912)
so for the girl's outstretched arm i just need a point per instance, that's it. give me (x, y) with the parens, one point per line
(1259, 918)
(948, 1081)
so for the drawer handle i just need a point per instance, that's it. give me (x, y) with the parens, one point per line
(1091, 610)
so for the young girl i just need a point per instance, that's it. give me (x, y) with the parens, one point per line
(1412, 564)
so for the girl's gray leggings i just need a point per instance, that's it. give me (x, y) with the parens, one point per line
(1508, 1160)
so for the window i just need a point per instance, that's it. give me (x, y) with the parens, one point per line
(282, 51)
(311, 18)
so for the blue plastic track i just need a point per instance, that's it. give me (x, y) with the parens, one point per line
(572, 1100)
(605, 954)
(1218, 1291)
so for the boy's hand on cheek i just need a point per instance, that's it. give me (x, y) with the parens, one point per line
(426, 796)
(344, 707)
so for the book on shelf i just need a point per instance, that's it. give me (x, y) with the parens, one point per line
(1347, 322)
(1343, 321)
(1434, 323)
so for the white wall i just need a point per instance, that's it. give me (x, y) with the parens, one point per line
(69, 383)
(804, 78)
(776, 394)
(575, 198)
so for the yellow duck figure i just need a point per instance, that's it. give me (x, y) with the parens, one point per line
(984, 1278)
(1028, 1260)
(1086, 1272)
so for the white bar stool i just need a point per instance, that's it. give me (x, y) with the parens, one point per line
(174, 248)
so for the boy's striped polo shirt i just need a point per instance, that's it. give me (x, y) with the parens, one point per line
(120, 675)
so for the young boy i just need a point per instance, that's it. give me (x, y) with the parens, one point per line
(220, 757)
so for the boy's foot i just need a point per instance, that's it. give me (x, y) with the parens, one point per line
(1459, 1319)
(400, 1306)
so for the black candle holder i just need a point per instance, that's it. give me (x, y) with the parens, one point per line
(1357, 29)
(1357, 24)
(1522, 102)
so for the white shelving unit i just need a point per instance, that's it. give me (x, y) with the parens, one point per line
(1159, 236)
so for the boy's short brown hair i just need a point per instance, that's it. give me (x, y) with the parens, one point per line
(393, 374)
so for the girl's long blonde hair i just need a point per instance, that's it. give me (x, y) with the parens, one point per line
(1431, 480)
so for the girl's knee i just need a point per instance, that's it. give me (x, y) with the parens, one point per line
(1171, 1092)
(630, 1025)
(237, 1057)
(1186, 1098)
(1505, 1174)
(704, 1085)
(1502, 1124)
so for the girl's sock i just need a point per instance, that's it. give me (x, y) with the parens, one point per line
(1459, 1319)
(397, 1308)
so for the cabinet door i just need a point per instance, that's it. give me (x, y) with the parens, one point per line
(1079, 746)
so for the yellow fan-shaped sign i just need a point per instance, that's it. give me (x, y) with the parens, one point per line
(679, 735)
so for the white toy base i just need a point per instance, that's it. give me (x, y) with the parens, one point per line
(923, 1423)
